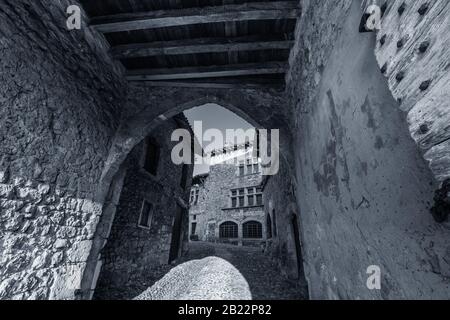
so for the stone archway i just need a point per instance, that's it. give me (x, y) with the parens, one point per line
(146, 110)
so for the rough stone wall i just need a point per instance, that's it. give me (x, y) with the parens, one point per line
(364, 190)
(216, 202)
(59, 109)
(132, 253)
(280, 204)
(313, 45)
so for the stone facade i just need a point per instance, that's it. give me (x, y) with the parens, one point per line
(133, 250)
(212, 204)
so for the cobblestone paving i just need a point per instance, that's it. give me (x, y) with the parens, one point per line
(214, 271)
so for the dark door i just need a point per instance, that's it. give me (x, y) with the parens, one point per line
(176, 235)
(298, 247)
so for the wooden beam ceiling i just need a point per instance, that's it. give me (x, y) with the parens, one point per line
(202, 45)
(215, 84)
(207, 72)
(182, 17)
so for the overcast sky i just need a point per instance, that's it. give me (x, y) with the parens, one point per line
(214, 116)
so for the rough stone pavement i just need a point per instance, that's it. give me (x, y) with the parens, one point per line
(224, 272)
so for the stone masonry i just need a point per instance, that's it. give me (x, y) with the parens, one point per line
(60, 106)
(214, 205)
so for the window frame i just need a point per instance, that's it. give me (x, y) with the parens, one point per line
(193, 228)
(150, 216)
(157, 157)
(240, 197)
(223, 232)
(193, 196)
(248, 168)
(255, 234)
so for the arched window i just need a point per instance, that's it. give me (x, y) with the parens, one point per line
(228, 230)
(269, 227)
(252, 230)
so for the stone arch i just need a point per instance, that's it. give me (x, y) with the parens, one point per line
(145, 110)
(227, 220)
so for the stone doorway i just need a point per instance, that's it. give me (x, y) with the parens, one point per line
(176, 235)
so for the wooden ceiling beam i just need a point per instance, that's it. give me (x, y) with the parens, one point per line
(202, 45)
(200, 15)
(249, 69)
(212, 84)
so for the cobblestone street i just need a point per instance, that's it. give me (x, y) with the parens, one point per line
(215, 271)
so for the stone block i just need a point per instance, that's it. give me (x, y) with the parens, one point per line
(60, 244)
(79, 251)
(67, 280)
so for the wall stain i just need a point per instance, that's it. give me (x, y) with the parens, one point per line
(379, 143)
(367, 109)
(327, 178)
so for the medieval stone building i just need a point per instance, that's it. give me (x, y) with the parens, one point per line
(364, 138)
(227, 203)
(150, 224)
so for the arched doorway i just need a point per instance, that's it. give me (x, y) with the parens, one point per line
(269, 227)
(298, 246)
(175, 244)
